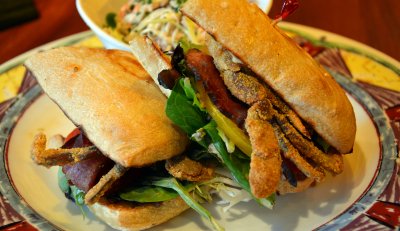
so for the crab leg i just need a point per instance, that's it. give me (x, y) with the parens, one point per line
(57, 156)
(330, 162)
(247, 88)
(265, 165)
(184, 168)
(104, 184)
(290, 114)
(294, 156)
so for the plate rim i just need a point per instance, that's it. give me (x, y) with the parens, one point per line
(7, 188)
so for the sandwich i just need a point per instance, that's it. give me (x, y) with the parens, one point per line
(125, 160)
(253, 96)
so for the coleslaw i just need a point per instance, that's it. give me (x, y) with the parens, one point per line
(160, 20)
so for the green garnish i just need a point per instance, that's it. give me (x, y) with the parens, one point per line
(181, 111)
(186, 114)
(78, 195)
(149, 194)
(111, 20)
(172, 183)
(237, 163)
(71, 190)
(63, 182)
(186, 45)
(190, 92)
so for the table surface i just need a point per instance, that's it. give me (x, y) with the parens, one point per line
(372, 22)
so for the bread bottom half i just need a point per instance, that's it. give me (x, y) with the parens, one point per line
(132, 216)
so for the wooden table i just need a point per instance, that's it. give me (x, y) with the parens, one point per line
(373, 22)
(57, 19)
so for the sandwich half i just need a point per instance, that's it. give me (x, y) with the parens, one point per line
(114, 161)
(261, 92)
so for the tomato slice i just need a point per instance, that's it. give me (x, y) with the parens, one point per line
(72, 134)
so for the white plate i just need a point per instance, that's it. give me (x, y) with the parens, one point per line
(331, 205)
(38, 185)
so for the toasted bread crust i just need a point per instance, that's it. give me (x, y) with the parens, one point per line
(151, 58)
(305, 86)
(128, 216)
(109, 95)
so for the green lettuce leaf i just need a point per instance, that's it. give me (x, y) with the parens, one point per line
(149, 194)
(72, 191)
(239, 167)
(63, 181)
(181, 111)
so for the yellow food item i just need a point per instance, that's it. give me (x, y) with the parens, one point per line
(231, 130)
(10, 81)
(366, 70)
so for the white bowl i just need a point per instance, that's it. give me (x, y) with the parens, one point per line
(93, 13)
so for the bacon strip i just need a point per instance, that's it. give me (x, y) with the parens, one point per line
(203, 68)
(94, 175)
(167, 78)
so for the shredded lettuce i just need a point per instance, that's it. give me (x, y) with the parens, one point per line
(199, 135)
(229, 191)
(172, 183)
